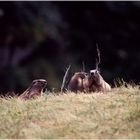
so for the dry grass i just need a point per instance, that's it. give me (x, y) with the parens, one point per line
(111, 115)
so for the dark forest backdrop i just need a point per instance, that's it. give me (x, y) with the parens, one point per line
(40, 39)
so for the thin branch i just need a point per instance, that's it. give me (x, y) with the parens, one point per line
(99, 60)
(65, 77)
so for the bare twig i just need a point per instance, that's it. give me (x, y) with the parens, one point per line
(99, 60)
(65, 77)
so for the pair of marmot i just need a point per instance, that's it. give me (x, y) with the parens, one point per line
(88, 82)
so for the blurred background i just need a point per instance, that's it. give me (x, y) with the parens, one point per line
(40, 40)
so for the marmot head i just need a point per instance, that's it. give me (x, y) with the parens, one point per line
(81, 75)
(35, 89)
(76, 82)
(39, 84)
(95, 76)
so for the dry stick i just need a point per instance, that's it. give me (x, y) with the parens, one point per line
(99, 60)
(65, 77)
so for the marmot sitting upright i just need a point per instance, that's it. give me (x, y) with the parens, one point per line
(36, 88)
(95, 82)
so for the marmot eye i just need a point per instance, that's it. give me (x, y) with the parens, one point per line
(86, 74)
(92, 73)
(34, 83)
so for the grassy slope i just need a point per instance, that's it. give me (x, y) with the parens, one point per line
(112, 115)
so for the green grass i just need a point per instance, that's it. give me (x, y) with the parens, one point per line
(112, 115)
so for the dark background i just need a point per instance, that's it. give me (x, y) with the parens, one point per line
(40, 39)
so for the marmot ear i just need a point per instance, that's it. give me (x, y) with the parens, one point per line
(86, 74)
(96, 72)
(33, 82)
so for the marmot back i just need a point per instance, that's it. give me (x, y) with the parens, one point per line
(76, 82)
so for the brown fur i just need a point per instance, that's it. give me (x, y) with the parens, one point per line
(95, 82)
(89, 85)
(76, 82)
(35, 89)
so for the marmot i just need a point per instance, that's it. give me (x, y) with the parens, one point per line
(36, 88)
(95, 82)
(76, 82)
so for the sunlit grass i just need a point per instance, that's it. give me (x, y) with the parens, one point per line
(112, 115)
